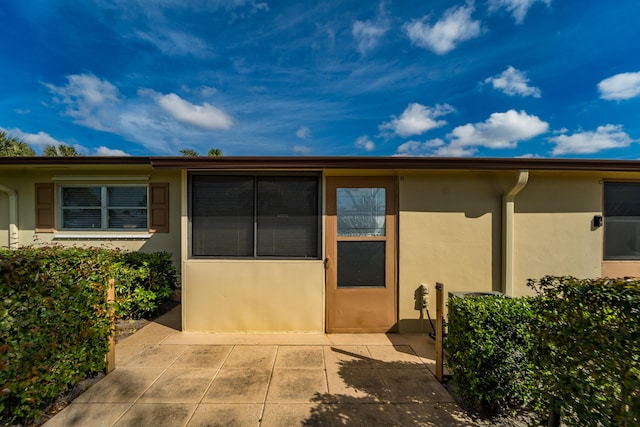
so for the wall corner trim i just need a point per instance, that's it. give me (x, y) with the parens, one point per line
(508, 218)
(13, 216)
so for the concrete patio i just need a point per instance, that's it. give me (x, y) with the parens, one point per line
(164, 377)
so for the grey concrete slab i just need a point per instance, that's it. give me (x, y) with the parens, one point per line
(204, 357)
(89, 414)
(251, 357)
(154, 356)
(124, 385)
(413, 386)
(239, 385)
(400, 356)
(296, 385)
(300, 357)
(179, 385)
(157, 415)
(365, 385)
(165, 377)
(226, 415)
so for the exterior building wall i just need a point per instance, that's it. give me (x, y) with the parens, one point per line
(253, 296)
(23, 180)
(449, 232)
(554, 232)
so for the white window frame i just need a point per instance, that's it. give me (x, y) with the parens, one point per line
(104, 208)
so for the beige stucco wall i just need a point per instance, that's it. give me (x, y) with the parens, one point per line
(253, 296)
(553, 227)
(449, 232)
(23, 179)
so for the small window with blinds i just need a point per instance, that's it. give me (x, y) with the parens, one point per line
(104, 208)
(255, 216)
(621, 221)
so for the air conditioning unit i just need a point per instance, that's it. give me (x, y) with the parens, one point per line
(473, 294)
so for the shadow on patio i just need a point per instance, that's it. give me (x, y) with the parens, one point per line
(368, 391)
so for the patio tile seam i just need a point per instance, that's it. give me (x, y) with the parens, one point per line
(122, 414)
(264, 400)
(212, 379)
(164, 371)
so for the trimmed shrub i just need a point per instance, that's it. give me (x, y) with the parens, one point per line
(488, 349)
(143, 281)
(54, 325)
(587, 341)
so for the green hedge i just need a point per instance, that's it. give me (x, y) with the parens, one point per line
(54, 326)
(571, 354)
(587, 341)
(143, 280)
(488, 351)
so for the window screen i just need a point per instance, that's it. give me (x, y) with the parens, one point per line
(287, 217)
(622, 220)
(222, 215)
(255, 216)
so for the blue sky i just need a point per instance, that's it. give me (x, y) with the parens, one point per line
(484, 78)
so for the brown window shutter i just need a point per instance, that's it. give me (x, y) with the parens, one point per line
(45, 207)
(159, 207)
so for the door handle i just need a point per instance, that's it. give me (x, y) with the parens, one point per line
(326, 263)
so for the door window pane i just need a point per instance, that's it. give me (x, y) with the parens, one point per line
(361, 264)
(361, 211)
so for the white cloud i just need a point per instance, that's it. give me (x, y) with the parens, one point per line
(417, 148)
(604, 137)
(365, 143)
(518, 8)
(88, 99)
(453, 150)
(303, 133)
(368, 33)
(207, 91)
(453, 28)
(105, 151)
(204, 116)
(513, 82)
(159, 122)
(620, 86)
(301, 150)
(417, 119)
(39, 139)
(176, 43)
(500, 130)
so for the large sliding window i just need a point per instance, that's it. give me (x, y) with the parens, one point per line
(255, 216)
(622, 220)
(103, 208)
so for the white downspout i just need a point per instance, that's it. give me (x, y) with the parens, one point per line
(13, 215)
(508, 218)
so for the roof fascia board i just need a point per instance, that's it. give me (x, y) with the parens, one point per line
(335, 162)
